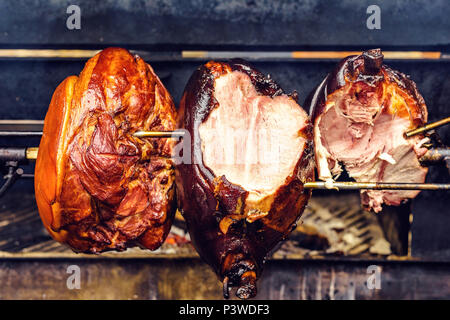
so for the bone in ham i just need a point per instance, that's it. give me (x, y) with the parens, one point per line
(242, 191)
(97, 187)
(360, 113)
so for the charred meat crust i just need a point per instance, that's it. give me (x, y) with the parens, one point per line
(237, 250)
(369, 68)
(365, 76)
(98, 188)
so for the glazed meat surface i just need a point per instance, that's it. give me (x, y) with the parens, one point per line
(361, 112)
(242, 191)
(97, 186)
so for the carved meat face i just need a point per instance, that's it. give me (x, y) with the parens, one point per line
(361, 112)
(255, 141)
(251, 153)
(97, 186)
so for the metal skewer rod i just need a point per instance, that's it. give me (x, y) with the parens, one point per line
(158, 134)
(20, 133)
(31, 154)
(169, 134)
(138, 134)
(427, 127)
(350, 185)
(432, 156)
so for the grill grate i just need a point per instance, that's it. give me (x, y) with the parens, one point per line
(331, 225)
(337, 225)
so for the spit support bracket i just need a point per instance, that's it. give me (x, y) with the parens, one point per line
(10, 159)
(13, 172)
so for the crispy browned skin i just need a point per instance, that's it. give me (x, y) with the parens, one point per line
(97, 187)
(364, 77)
(235, 246)
(368, 84)
(367, 70)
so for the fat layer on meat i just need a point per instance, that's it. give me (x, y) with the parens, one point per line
(359, 126)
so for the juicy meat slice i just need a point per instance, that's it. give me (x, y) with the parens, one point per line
(97, 186)
(252, 140)
(251, 153)
(361, 112)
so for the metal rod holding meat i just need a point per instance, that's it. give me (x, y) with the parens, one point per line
(159, 134)
(432, 156)
(166, 134)
(20, 133)
(138, 134)
(427, 127)
(350, 185)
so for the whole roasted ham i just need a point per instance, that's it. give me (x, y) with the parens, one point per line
(360, 113)
(241, 191)
(97, 186)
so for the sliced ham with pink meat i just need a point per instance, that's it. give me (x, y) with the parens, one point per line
(251, 153)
